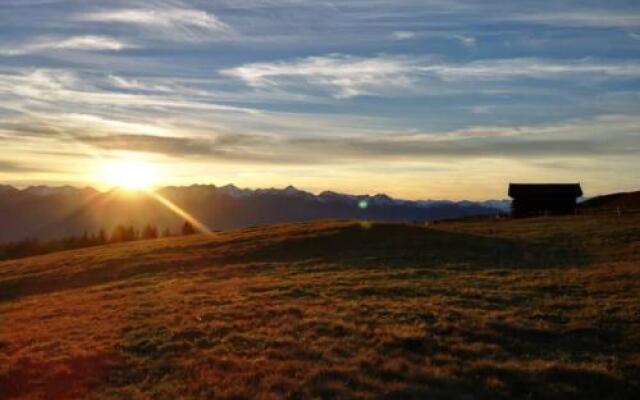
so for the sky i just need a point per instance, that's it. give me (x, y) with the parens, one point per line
(420, 99)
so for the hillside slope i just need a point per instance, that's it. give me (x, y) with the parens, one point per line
(629, 200)
(540, 308)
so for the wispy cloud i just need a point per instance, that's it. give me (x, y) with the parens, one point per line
(584, 18)
(500, 69)
(403, 35)
(576, 138)
(170, 22)
(348, 76)
(14, 167)
(135, 84)
(57, 88)
(468, 41)
(49, 101)
(225, 147)
(80, 43)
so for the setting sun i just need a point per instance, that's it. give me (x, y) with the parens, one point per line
(130, 174)
(305, 199)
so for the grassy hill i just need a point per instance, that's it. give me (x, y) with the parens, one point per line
(629, 200)
(541, 308)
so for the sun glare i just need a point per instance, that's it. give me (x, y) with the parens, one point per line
(130, 174)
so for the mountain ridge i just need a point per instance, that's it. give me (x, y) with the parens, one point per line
(234, 191)
(45, 212)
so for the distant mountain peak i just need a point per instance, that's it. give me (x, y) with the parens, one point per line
(293, 191)
(43, 190)
(64, 210)
(8, 189)
(235, 192)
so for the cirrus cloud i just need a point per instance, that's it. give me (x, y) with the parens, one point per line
(348, 76)
(584, 18)
(169, 22)
(81, 43)
(569, 139)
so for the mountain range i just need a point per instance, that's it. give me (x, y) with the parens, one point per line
(50, 212)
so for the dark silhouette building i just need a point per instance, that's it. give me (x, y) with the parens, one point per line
(532, 200)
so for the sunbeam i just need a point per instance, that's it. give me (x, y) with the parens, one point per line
(180, 212)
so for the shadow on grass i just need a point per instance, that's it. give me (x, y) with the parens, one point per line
(66, 378)
(553, 383)
(11, 289)
(519, 378)
(150, 355)
(572, 344)
(408, 245)
(366, 245)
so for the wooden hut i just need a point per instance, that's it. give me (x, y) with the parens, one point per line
(531, 200)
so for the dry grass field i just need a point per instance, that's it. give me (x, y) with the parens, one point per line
(527, 309)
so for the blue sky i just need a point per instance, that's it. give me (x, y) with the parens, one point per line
(419, 99)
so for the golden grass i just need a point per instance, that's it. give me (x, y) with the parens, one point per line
(543, 308)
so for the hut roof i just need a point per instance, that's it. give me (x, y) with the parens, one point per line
(545, 189)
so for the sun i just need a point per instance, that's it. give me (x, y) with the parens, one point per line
(130, 174)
